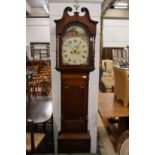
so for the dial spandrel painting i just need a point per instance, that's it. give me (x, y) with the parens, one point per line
(75, 48)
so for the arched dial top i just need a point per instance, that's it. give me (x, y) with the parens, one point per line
(75, 46)
(67, 19)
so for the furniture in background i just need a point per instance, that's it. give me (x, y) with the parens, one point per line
(123, 144)
(107, 75)
(107, 52)
(40, 83)
(39, 88)
(110, 107)
(33, 140)
(40, 109)
(39, 113)
(37, 63)
(121, 87)
(119, 55)
(117, 117)
(40, 50)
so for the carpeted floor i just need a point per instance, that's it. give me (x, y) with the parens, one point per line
(105, 145)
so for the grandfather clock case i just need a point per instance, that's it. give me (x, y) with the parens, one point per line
(75, 50)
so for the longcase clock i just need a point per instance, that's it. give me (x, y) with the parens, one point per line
(75, 50)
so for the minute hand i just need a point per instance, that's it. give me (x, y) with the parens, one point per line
(71, 47)
(77, 46)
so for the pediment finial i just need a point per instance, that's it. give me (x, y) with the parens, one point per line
(76, 5)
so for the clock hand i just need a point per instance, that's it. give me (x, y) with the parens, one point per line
(71, 47)
(77, 48)
(74, 50)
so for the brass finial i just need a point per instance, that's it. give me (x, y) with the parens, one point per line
(76, 5)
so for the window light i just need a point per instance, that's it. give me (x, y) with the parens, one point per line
(119, 5)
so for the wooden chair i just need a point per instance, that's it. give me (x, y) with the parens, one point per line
(30, 88)
(121, 87)
(33, 140)
(39, 88)
(45, 87)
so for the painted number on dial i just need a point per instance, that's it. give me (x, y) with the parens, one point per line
(75, 51)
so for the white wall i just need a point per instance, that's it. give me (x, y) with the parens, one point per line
(56, 12)
(115, 33)
(116, 13)
(38, 12)
(37, 30)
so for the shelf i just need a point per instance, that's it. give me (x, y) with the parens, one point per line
(40, 53)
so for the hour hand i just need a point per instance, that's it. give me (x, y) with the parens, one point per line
(71, 47)
(77, 46)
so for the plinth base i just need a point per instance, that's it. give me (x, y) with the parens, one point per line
(73, 143)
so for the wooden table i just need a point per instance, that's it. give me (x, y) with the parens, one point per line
(40, 109)
(109, 107)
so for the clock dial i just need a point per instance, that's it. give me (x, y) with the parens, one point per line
(75, 51)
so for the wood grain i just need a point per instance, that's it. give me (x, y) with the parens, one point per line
(109, 107)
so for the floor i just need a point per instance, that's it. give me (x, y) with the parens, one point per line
(105, 145)
(109, 132)
(109, 107)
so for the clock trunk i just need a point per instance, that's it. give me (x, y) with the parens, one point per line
(74, 102)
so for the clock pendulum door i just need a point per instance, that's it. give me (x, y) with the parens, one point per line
(74, 136)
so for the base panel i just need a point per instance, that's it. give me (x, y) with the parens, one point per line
(73, 143)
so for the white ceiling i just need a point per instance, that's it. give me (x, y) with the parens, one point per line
(37, 8)
(122, 2)
(34, 3)
(38, 4)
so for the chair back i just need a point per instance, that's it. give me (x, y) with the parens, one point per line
(121, 87)
(45, 88)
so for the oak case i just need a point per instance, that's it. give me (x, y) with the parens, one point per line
(74, 136)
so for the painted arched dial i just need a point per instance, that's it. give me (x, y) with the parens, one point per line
(75, 51)
(75, 47)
